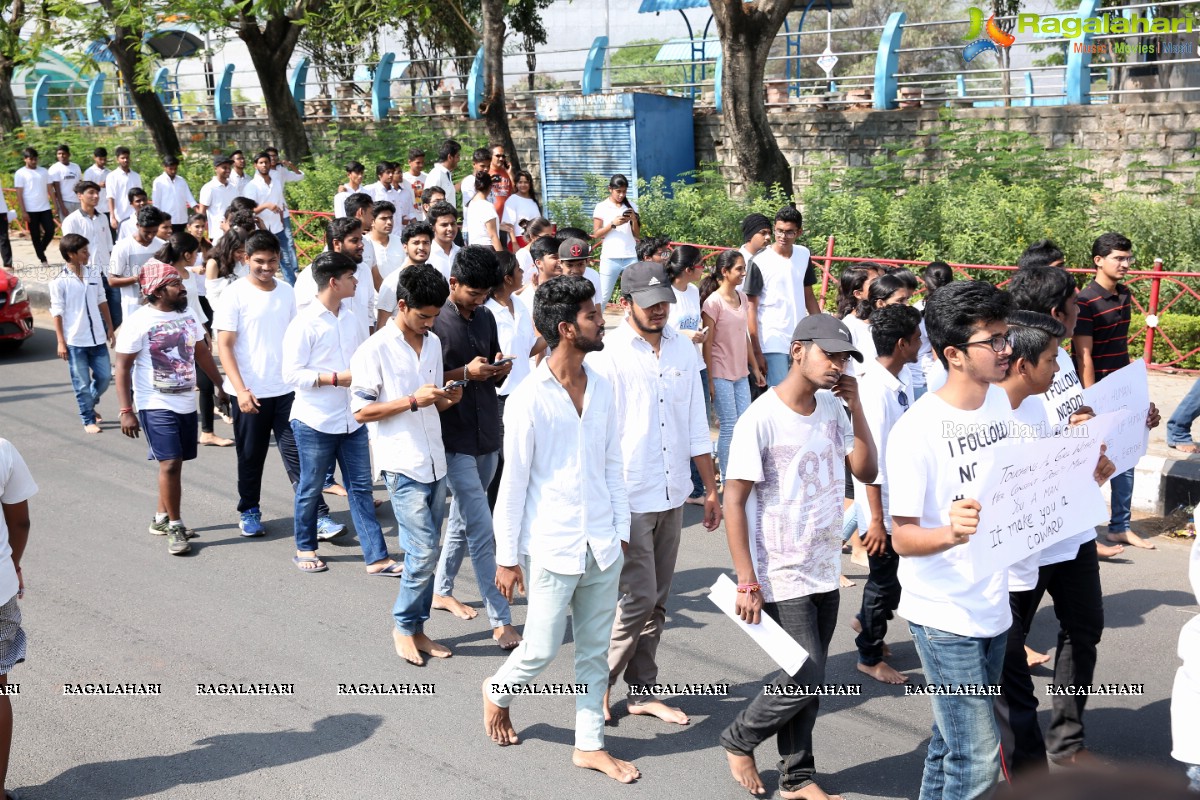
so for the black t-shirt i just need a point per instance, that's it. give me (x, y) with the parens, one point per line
(472, 426)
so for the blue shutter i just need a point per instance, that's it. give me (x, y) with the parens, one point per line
(572, 150)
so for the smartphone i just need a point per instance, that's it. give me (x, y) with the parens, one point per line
(703, 330)
(455, 385)
(502, 361)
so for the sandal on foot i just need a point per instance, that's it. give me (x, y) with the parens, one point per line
(297, 560)
(390, 571)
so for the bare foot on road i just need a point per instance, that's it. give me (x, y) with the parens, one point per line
(1129, 537)
(1035, 659)
(657, 708)
(844, 582)
(810, 792)
(506, 636)
(602, 761)
(1108, 550)
(406, 648)
(93, 428)
(430, 647)
(335, 488)
(447, 603)
(860, 557)
(745, 772)
(497, 723)
(883, 673)
(856, 626)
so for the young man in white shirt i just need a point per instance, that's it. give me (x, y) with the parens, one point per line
(574, 258)
(344, 235)
(383, 182)
(84, 328)
(120, 181)
(756, 235)
(779, 285)
(285, 172)
(883, 394)
(317, 349)
(397, 383)
(444, 219)
(783, 495)
(238, 176)
(164, 331)
(33, 201)
(250, 322)
(130, 254)
(442, 174)
(415, 180)
(88, 222)
(138, 199)
(481, 159)
(562, 506)
(64, 174)
(416, 240)
(171, 195)
(388, 250)
(267, 193)
(663, 428)
(353, 185)
(959, 625)
(216, 195)
(97, 173)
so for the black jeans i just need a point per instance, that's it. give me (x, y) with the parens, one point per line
(203, 382)
(1021, 745)
(790, 718)
(5, 244)
(41, 231)
(881, 596)
(252, 440)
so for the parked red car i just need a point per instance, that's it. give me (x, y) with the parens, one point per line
(16, 315)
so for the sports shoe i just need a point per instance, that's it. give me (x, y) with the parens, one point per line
(328, 528)
(177, 540)
(159, 528)
(251, 523)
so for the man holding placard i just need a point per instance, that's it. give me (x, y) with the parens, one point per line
(783, 506)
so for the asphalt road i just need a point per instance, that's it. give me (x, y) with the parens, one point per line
(106, 604)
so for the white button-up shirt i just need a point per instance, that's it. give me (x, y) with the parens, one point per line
(363, 302)
(442, 261)
(119, 184)
(562, 490)
(77, 300)
(386, 368)
(318, 342)
(261, 192)
(240, 182)
(660, 411)
(173, 196)
(517, 336)
(216, 197)
(95, 229)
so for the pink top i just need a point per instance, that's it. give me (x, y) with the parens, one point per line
(730, 337)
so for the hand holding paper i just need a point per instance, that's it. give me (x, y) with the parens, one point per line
(773, 639)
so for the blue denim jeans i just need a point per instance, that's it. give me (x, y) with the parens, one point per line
(963, 761)
(697, 481)
(91, 373)
(287, 256)
(418, 509)
(778, 365)
(1121, 501)
(469, 530)
(610, 271)
(318, 451)
(731, 399)
(112, 295)
(1179, 426)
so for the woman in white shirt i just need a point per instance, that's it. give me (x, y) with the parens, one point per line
(480, 219)
(521, 208)
(683, 268)
(615, 221)
(536, 229)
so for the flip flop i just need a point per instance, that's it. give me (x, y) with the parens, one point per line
(394, 570)
(297, 560)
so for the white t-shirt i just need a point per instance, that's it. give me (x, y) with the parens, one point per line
(66, 176)
(416, 185)
(442, 261)
(440, 176)
(781, 301)
(879, 395)
(16, 486)
(99, 177)
(128, 258)
(860, 335)
(164, 372)
(594, 277)
(797, 465)
(467, 188)
(119, 184)
(517, 208)
(387, 258)
(260, 319)
(928, 469)
(33, 184)
(684, 315)
(475, 220)
(216, 197)
(618, 243)
(517, 336)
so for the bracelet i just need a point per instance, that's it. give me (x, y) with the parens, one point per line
(412, 402)
(333, 378)
(748, 588)
(126, 410)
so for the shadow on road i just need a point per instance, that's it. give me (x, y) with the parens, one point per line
(214, 759)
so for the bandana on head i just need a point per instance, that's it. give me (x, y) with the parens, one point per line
(155, 275)
(753, 224)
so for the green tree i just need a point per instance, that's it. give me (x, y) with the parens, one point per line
(18, 50)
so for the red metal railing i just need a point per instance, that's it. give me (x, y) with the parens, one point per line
(1152, 309)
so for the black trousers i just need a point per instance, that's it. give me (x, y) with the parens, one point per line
(252, 440)
(881, 596)
(1021, 744)
(5, 245)
(41, 231)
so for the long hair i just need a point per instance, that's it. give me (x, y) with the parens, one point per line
(721, 266)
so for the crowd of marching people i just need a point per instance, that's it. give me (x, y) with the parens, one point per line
(467, 367)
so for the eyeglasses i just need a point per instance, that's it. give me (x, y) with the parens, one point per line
(786, 234)
(902, 399)
(999, 343)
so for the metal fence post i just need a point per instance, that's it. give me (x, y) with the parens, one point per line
(1152, 311)
(828, 268)
(887, 62)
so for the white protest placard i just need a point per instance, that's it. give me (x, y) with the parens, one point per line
(1036, 493)
(774, 640)
(1126, 392)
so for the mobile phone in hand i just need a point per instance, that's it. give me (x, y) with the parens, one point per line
(500, 362)
(455, 385)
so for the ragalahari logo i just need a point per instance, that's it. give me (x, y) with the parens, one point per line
(994, 40)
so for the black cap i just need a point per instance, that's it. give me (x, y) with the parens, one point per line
(828, 333)
(219, 159)
(574, 249)
(647, 283)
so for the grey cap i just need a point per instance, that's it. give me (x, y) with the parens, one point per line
(828, 333)
(647, 283)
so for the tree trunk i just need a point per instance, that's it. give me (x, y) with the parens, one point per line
(270, 49)
(746, 32)
(125, 47)
(494, 110)
(10, 117)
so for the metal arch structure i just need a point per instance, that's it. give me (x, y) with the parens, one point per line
(381, 88)
(223, 97)
(593, 68)
(475, 86)
(1079, 60)
(887, 62)
(298, 85)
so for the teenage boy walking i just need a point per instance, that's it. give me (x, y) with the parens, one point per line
(64, 174)
(158, 350)
(783, 501)
(130, 254)
(120, 181)
(83, 326)
(33, 201)
(88, 222)
(170, 194)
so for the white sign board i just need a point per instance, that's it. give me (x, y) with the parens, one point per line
(1127, 392)
(778, 644)
(827, 61)
(1036, 493)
